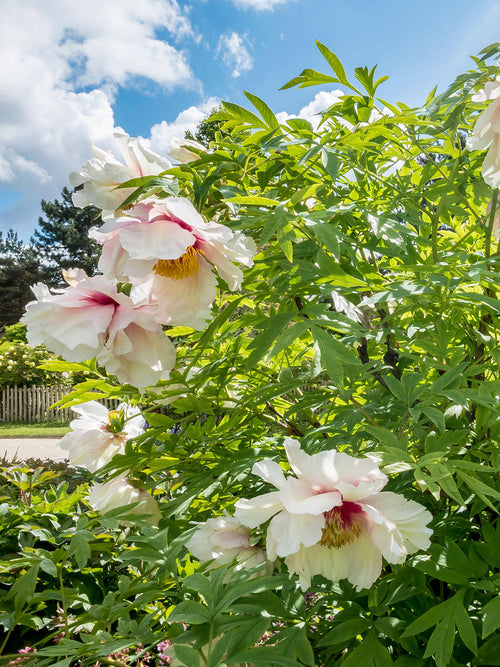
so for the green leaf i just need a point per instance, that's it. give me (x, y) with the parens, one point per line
(288, 336)
(429, 618)
(333, 61)
(263, 342)
(447, 378)
(329, 356)
(187, 655)
(253, 200)
(190, 612)
(266, 113)
(435, 415)
(79, 548)
(465, 628)
(370, 653)
(345, 631)
(441, 642)
(243, 114)
(24, 587)
(331, 161)
(491, 616)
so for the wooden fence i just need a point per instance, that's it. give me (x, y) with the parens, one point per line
(33, 404)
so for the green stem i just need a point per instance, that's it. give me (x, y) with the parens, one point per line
(4, 644)
(63, 601)
(491, 220)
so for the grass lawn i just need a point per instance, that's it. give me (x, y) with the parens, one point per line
(19, 430)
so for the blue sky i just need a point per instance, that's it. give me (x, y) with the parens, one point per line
(71, 72)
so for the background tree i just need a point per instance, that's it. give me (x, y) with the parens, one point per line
(61, 238)
(206, 129)
(19, 269)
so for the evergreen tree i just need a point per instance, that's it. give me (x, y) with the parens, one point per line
(19, 269)
(62, 241)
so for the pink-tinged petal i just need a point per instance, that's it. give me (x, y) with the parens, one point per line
(269, 471)
(357, 478)
(287, 532)
(298, 497)
(184, 210)
(156, 240)
(151, 358)
(252, 512)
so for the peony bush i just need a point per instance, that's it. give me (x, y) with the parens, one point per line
(301, 323)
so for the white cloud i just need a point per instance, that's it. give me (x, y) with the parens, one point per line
(321, 101)
(60, 65)
(234, 53)
(163, 133)
(259, 5)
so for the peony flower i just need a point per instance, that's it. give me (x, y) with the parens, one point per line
(119, 492)
(167, 251)
(101, 175)
(486, 133)
(186, 302)
(179, 150)
(332, 518)
(91, 319)
(99, 434)
(171, 239)
(223, 539)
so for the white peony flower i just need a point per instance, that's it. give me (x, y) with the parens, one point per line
(179, 150)
(486, 133)
(91, 319)
(224, 539)
(332, 518)
(119, 492)
(170, 238)
(168, 252)
(101, 175)
(99, 434)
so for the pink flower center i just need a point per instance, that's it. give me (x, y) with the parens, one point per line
(342, 525)
(92, 296)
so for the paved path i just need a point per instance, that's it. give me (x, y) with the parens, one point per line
(38, 448)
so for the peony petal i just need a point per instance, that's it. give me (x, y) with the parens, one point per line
(255, 511)
(365, 562)
(269, 471)
(287, 532)
(407, 516)
(298, 497)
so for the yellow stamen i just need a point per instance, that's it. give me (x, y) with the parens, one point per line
(338, 532)
(184, 266)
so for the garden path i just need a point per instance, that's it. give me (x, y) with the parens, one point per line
(38, 448)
